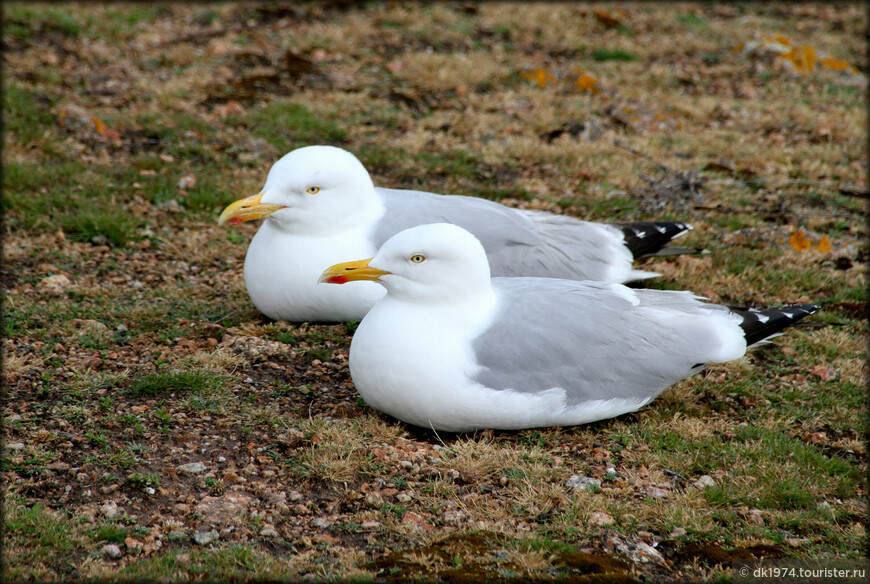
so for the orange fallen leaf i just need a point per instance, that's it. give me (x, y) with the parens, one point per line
(824, 245)
(105, 132)
(799, 241)
(608, 19)
(99, 126)
(835, 64)
(539, 75)
(803, 58)
(586, 82)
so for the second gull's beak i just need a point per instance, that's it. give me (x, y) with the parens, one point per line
(347, 271)
(246, 210)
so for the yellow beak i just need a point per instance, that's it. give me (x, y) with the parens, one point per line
(246, 210)
(347, 271)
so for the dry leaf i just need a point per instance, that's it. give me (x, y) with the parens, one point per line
(608, 19)
(835, 64)
(824, 245)
(822, 372)
(586, 82)
(539, 75)
(803, 58)
(799, 241)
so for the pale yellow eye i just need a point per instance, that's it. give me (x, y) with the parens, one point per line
(417, 258)
(312, 190)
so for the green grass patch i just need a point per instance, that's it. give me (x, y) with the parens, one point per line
(116, 225)
(158, 384)
(110, 532)
(39, 543)
(692, 22)
(613, 55)
(226, 563)
(454, 163)
(26, 114)
(25, 20)
(288, 126)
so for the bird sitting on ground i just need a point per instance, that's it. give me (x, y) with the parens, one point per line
(450, 348)
(320, 206)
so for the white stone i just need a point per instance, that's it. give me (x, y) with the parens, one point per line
(705, 481)
(54, 284)
(112, 551)
(192, 468)
(600, 518)
(206, 537)
(110, 509)
(269, 531)
(579, 482)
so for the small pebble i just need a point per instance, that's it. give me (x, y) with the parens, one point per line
(600, 518)
(705, 481)
(192, 468)
(111, 551)
(110, 509)
(578, 482)
(206, 537)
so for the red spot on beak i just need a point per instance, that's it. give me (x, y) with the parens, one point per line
(337, 280)
(235, 221)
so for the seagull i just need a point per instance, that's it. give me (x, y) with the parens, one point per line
(452, 349)
(320, 206)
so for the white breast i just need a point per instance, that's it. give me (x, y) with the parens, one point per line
(281, 272)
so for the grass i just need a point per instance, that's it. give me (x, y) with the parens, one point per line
(287, 126)
(428, 97)
(174, 382)
(613, 55)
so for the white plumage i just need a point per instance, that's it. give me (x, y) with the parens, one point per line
(450, 348)
(320, 207)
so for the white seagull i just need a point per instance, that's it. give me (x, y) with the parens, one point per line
(320, 207)
(452, 349)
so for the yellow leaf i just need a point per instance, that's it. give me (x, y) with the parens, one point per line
(540, 76)
(782, 40)
(586, 82)
(99, 126)
(799, 241)
(824, 245)
(804, 58)
(835, 64)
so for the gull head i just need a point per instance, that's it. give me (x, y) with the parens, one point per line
(431, 263)
(320, 189)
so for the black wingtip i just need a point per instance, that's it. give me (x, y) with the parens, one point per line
(649, 237)
(757, 324)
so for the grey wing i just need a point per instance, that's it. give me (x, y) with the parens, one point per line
(517, 242)
(598, 340)
(496, 226)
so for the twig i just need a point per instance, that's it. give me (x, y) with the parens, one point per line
(620, 144)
